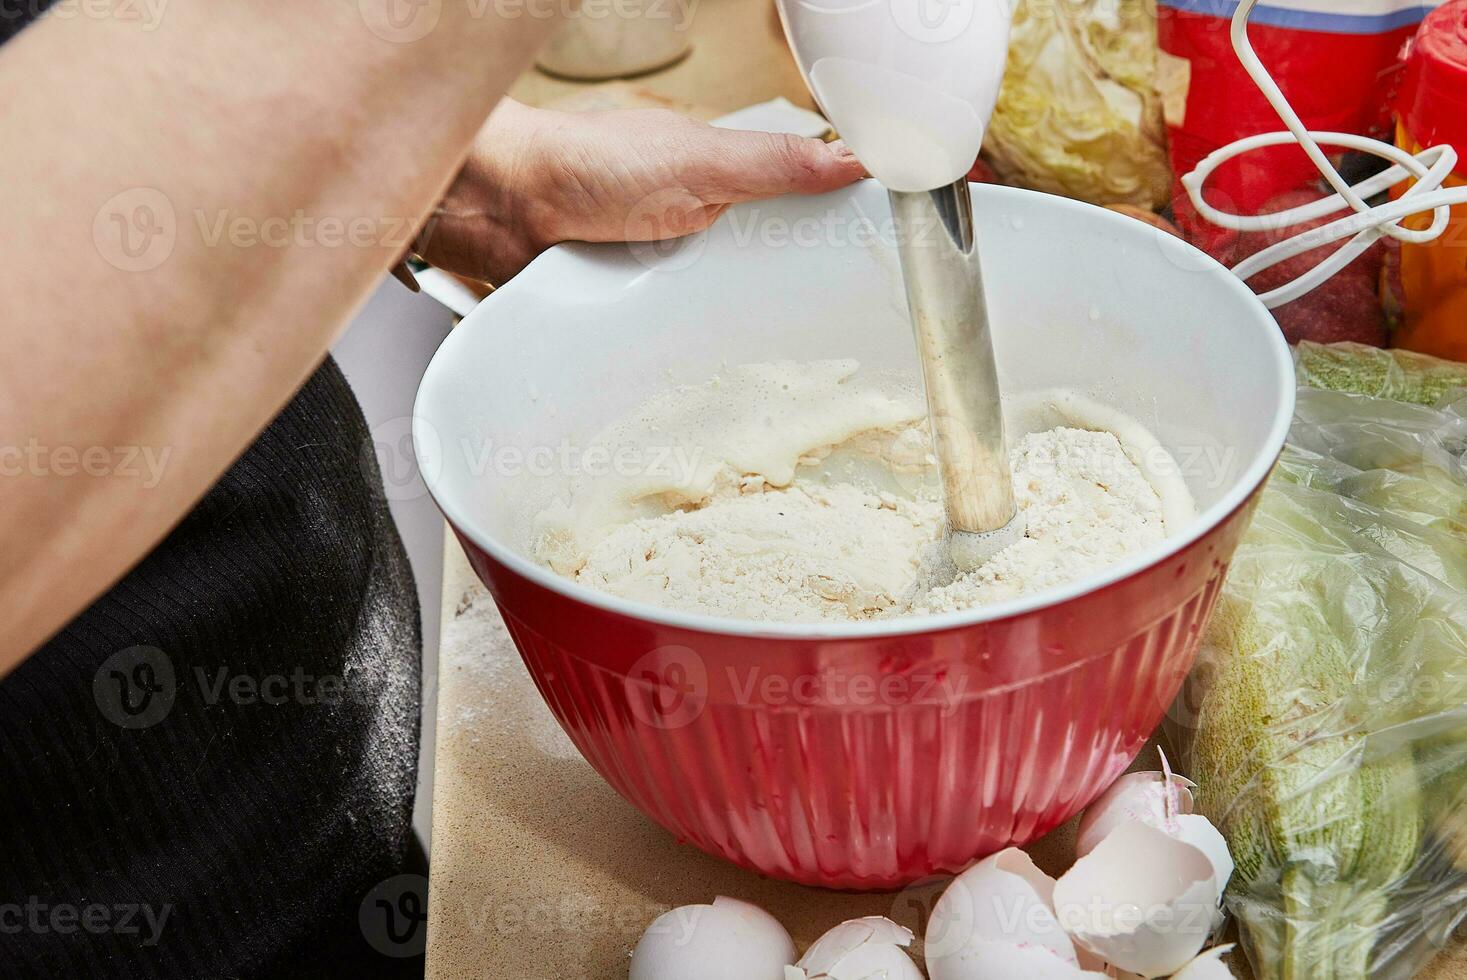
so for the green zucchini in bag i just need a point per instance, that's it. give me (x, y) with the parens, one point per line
(1326, 722)
(1399, 375)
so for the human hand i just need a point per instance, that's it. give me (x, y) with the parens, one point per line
(536, 177)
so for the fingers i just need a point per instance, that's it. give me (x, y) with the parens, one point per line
(736, 165)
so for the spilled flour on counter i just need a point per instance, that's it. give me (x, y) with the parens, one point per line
(814, 497)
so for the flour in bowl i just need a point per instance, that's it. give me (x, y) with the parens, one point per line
(1086, 506)
(806, 552)
(849, 528)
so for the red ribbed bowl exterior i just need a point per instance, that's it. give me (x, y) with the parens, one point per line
(869, 763)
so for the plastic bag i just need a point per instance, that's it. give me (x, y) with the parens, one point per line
(1326, 721)
(1399, 375)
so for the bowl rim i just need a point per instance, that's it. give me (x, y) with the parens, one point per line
(1204, 524)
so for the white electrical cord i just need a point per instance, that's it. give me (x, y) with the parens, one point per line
(1367, 225)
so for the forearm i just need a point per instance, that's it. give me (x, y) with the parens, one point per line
(291, 150)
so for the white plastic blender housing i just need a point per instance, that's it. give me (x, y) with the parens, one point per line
(911, 85)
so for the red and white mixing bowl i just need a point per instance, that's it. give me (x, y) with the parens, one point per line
(863, 755)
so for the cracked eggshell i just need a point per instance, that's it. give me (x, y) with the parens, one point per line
(1142, 900)
(873, 961)
(1135, 796)
(1198, 831)
(1006, 961)
(727, 940)
(1002, 899)
(1207, 966)
(830, 949)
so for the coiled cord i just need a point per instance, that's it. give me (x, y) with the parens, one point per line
(1364, 225)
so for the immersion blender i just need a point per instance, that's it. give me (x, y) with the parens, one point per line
(910, 85)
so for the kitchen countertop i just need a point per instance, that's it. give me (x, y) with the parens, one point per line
(540, 870)
(738, 58)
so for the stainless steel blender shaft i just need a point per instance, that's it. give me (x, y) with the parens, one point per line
(950, 317)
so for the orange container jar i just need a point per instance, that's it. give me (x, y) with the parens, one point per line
(1428, 291)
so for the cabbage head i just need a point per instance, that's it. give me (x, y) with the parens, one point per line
(1079, 113)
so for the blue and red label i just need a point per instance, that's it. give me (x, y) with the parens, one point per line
(1337, 62)
(1324, 16)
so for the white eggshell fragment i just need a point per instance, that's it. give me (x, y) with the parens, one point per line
(1135, 796)
(838, 943)
(1141, 900)
(728, 940)
(1002, 899)
(873, 961)
(1208, 966)
(1005, 961)
(1197, 830)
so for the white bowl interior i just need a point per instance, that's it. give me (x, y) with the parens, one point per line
(1080, 298)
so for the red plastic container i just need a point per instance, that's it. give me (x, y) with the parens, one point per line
(860, 756)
